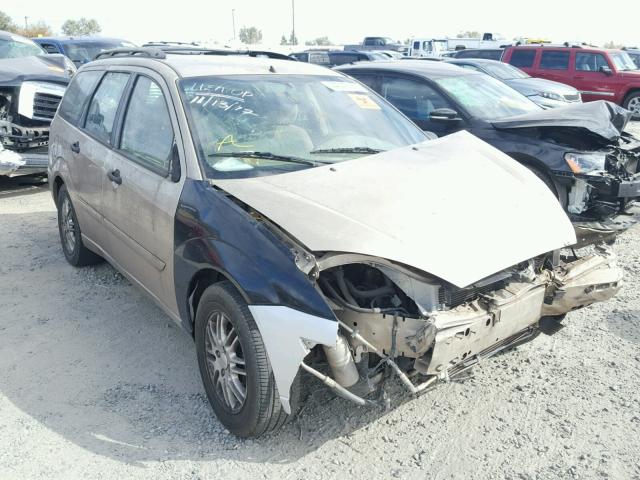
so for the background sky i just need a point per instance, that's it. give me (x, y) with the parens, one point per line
(345, 21)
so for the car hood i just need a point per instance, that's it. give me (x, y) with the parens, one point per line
(46, 68)
(602, 120)
(454, 207)
(532, 86)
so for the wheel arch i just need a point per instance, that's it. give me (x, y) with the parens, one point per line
(58, 182)
(199, 282)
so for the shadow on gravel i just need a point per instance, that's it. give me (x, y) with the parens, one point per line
(17, 186)
(94, 360)
(625, 324)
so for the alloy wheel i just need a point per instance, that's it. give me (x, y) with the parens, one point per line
(69, 230)
(225, 361)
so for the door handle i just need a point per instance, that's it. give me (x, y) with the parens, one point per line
(114, 176)
(75, 147)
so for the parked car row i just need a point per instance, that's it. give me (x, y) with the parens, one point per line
(293, 220)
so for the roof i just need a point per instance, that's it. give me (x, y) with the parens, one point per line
(479, 61)
(206, 65)
(416, 67)
(80, 39)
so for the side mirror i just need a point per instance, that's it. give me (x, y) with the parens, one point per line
(606, 70)
(175, 171)
(444, 115)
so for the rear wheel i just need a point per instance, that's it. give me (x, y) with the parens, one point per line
(70, 235)
(632, 103)
(233, 364)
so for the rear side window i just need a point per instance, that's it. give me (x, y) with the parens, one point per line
(551, 60)
(590, 62)
(522, 58)
(147, 135)
(50, 47)
(341, 59)
(76, 95)
(104, 105)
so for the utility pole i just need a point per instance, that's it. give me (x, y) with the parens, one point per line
(26, 24)
(233, 21)
(293, 22)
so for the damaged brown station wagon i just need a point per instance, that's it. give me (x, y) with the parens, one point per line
(291, 220)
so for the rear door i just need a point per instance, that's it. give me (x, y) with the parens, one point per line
(554, 65)
(587, 77)
(84, 149)
(139, 195)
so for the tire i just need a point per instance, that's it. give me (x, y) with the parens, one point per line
(632, 103)
(226, 332)
(558, 191)
(70, 235)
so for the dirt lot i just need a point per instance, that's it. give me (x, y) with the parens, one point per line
(96, 382)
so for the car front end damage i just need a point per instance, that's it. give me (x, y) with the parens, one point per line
(26, 111)
(594, 159)
(604, 191)
(416, 290)
(395, 320)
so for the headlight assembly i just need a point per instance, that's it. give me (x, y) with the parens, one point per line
(552, 96)
(585, 162)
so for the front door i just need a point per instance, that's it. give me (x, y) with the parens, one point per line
(139, 196)
(590, 80)
(416, 99)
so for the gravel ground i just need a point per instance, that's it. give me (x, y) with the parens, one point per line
(96, 382)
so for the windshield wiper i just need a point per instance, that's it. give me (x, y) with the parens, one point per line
(363, 150)
(266, 156)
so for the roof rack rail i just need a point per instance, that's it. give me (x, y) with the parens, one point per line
(209, 51)
(150, 52)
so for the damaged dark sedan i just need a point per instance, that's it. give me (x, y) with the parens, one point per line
(32, 84)
(293, 221)
(580, 151)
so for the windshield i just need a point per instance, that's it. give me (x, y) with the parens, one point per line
(83, 52)
(16, 46)
(485, 97)
(308, 120)
(504, 71)
(623, 61)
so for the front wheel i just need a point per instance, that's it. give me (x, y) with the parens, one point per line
(632, 103)
(233, 364)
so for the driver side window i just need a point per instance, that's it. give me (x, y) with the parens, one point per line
(413, 98)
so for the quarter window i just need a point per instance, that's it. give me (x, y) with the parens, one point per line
(147, 135)
(104, 105)
(551, 60)
(590, 62)
(74, 98)
(522, 58)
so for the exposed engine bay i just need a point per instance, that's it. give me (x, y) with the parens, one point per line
(394, 320)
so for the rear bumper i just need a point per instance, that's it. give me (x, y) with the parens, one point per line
(13, 164)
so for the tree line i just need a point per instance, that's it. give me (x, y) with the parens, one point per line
(72, 27)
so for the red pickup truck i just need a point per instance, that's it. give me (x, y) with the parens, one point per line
(598, 73)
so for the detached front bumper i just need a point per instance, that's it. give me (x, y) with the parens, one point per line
(465, 334)
(13, 164)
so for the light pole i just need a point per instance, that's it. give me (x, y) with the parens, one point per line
(26, 25)
(233, 21)
(294, 40)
